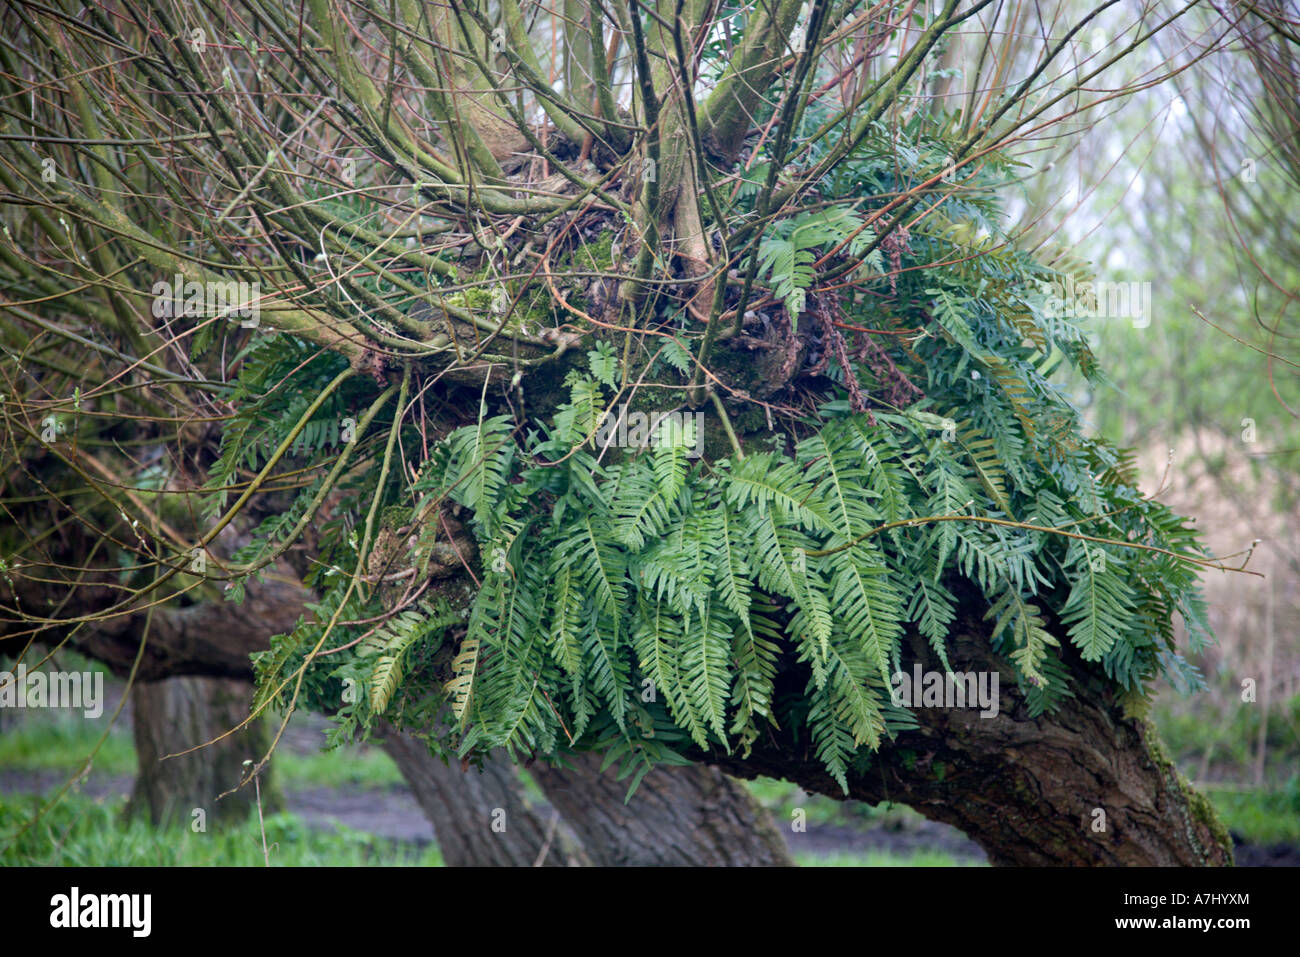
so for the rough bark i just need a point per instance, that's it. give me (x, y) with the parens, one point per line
(687, 816)
(1027, 790)
(678, 816)
(482, 818)
(181, 713)
(211, 638)
(727, 116)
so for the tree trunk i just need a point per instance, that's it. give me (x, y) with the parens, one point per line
(181, 713)
(481, 818)
(678, 816)
(1085, 786)
(687, 816)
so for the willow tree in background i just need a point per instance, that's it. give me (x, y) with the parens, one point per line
(1201, 177)
(655, 379)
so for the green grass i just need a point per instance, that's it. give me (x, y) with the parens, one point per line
(1260, 817)
(87, 833)
(1218, 726)
(63, 742)
(884, 859)
(358, 765)
(782, 798)
(1224, 744)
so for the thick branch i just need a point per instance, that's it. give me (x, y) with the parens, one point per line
(1030, 791)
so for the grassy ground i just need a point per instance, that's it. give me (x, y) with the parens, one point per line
(63, 741)
(83, 830)
(1215, 740)
(93, 831)
(1260, 817)
(783, 799)
(882, 859)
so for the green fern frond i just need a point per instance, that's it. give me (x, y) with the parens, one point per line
(755, 648)
(671, 455)
(867, 607)
(845, 489)
(642, 507)
(461, 687)
(705, 654)
(983, 456)
(479, 465)
(933, 610)
(756, 479)
(393, 643)
(1029, 635)
(566, 621)
(1100, 607)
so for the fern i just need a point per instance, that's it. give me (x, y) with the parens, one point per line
(676, 355)
(932, 609)
(566, 620)
(1099, 606)
(867, 607)
(645, 604)
(705, 655)
(461, 687)
(642, 507)
(786, 255)
(984, 458)
(670, 455)
(395, 641)
(1028, 633)
(603, 364)
(755, 650)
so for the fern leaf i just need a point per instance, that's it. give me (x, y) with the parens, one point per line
(867, 607)
(388, 668)
(670, 455)
(1099, 606)
(566, 621)
(461, 687)
(705, 654)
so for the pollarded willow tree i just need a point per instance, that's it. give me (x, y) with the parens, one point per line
(652, 378)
